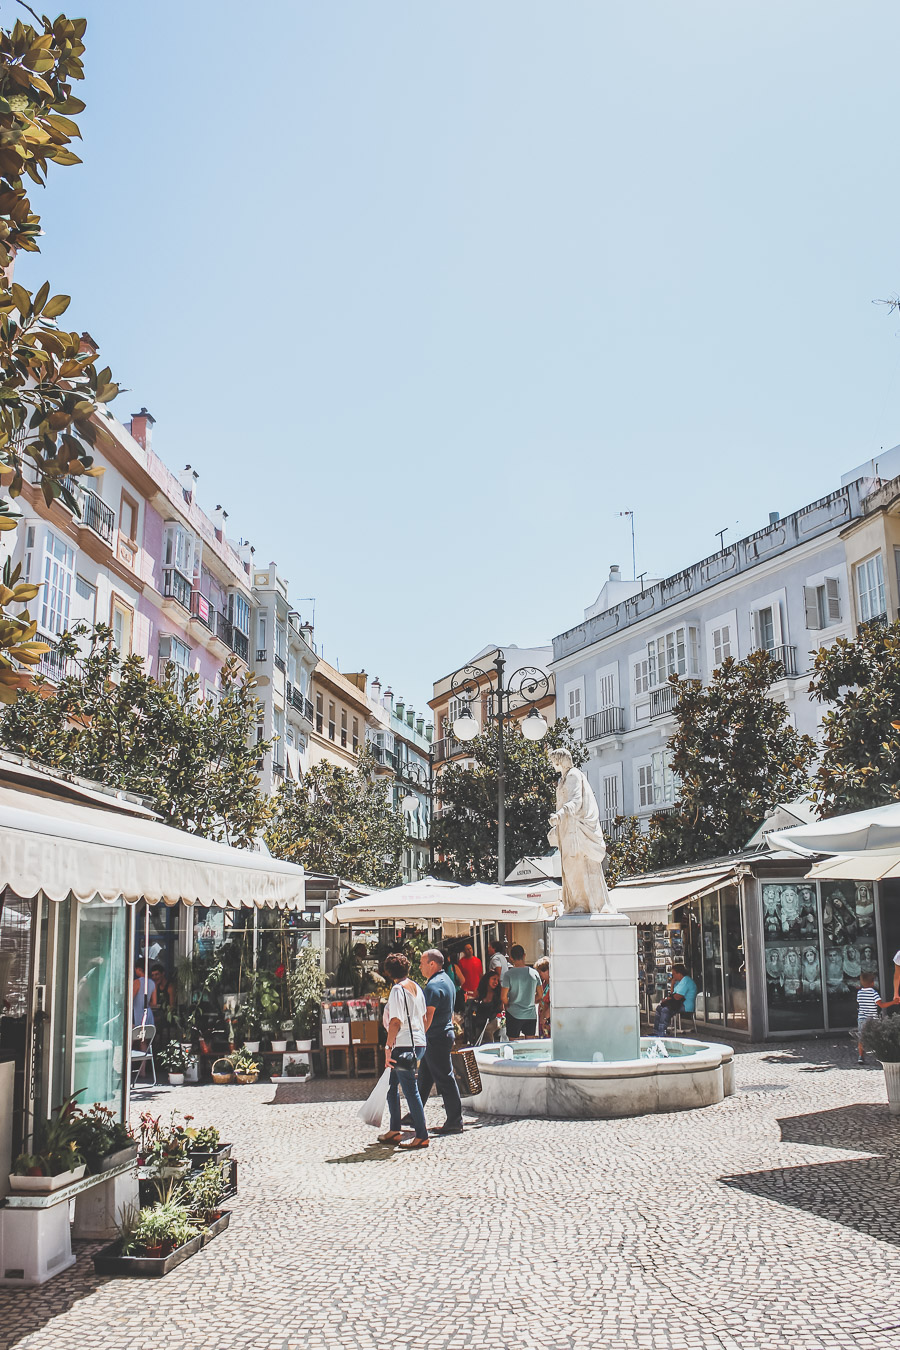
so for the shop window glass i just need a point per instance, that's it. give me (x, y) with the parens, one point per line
(848, 921)
(793, 974)
(712, 959)
(100, 1003)
(59, 1018)
(735, 969)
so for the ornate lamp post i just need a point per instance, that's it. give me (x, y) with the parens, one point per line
(415, 771)
(527, 686)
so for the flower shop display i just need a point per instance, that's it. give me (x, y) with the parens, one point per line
(102, 1140)
(246, 1068)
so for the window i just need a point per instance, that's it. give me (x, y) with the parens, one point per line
(59, 580)
(180, 549)
(645, 784)
(606, 691)
(278, 728)
(355, 734)
(611, 796)
(84, 605)
(212, 694)
(823, 604)
(575, 700)
(319, 713)
(454, 708)
(122, 621)
(663, 778)
(721, 639)
(292, 668)
(128, 518)
(674, 653)
(261, 634)
(280, 640)
(239, 612)
(870, 589)
(343, 726)
(764, 629)
(642, 677)
(331, 725)
(173, 650)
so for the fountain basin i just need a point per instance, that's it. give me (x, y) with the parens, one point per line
(533, 1084)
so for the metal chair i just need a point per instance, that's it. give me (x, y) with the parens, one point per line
(142, 1050)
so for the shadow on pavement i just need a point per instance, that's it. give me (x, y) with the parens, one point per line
(858, 1193)
(25, 1311)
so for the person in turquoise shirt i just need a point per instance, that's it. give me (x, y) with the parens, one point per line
(683, 998)
(521, 986)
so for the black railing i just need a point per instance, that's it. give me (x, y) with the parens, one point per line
(279, 662)
(607, 722)
(289, 692)
(177, 587)
(308, 710)
(224, 629)
(277, 769)
(786, 658)
(447, 747)
(97, 515)
(663, 700)
(202, 609)
(240, 643)
(260, 656)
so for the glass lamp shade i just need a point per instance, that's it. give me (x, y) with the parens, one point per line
(534, 726)
(410, 803)
(465, 728)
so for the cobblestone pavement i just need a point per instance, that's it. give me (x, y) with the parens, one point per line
(770, 1221)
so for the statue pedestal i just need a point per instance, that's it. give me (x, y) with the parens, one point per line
(594, 987)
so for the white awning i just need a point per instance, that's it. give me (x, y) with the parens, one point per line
(856, 832)
(646, 901)
(872, 866)
(439, 901)
(60, 846)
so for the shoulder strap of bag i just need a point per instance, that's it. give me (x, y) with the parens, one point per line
(412, 1039)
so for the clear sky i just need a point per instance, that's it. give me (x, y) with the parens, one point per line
(428, 292)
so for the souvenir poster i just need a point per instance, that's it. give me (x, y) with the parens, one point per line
(848, 922)
(793, 965)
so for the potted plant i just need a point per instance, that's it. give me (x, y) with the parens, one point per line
(205, 1145)
(246, 1068)
(203, 1193)
(162, 1149)
(297, 1069)
(174, 1060)
(881, 1035)
(161, 1229)
(252, 1033)
(222, 1070)
(307, 984)
(56, 1160)
(102, 1140)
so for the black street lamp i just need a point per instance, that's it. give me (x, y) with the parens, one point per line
(528, 686)
(422, 775)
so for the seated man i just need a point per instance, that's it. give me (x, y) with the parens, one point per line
(683, 998)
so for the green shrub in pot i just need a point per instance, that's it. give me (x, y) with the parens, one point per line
(881, 1037)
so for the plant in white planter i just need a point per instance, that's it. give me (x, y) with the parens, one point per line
(57, 1158)
(881, 1035)
(175, 1062)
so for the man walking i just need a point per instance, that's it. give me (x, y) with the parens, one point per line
(436, 1068)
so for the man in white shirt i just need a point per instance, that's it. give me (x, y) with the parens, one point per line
(897, 977)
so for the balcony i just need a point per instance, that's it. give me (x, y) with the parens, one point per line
(279, 663)
(277, 769)
(447, 747)
(240, 643)
(97, 515)
(607, 722)
(261, 656)
(204, 611)
(307, 710)
(786, 658)
(664, 701)
(52, 665)
(177, 587)
(224, 630)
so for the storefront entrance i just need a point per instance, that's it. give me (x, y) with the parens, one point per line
(713, 939)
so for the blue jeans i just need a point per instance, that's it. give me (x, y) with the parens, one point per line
(405, 1079)
(437, 1071)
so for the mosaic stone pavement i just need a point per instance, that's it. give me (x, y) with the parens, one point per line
(771, 1221)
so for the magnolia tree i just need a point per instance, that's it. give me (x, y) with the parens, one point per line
(51, 385)
(340, 821)
(735, 754)
(107, 719)
(465, 834)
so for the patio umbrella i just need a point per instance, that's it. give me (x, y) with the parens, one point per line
(443, 900)
(859, 832)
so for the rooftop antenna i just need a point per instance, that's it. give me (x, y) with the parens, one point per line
(633, 562)
(641, 580)
(721, 536)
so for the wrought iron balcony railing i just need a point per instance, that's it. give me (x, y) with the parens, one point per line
(607, 722)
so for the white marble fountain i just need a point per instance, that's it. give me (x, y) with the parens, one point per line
(596, 1064)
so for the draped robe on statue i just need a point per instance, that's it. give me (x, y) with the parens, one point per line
(577, 834)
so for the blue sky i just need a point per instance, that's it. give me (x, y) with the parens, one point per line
(427, 293)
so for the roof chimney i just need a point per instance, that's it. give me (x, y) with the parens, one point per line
(188, 480)
(615, 573)
(142, 427)
(219, 517)
(388, 697)
(774, 517)
(376, 689)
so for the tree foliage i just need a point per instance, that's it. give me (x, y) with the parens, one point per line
(631, 850)
(736, 755)
(340, 821)
(860, 762)
(465, 835)
(50, 385)
(109, 720)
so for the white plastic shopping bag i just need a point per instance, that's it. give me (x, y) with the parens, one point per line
(372, 1108)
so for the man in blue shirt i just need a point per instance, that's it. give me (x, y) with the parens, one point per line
(683, 998)
(436, 1068)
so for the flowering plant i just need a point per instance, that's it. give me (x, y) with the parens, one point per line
(98, 1133)
(162, 1145)
(56, 1145)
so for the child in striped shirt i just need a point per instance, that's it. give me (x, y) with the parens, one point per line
(867, 1007)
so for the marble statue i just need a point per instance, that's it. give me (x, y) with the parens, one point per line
(575, 831)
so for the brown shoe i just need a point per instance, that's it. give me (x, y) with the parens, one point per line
(414, 1143)
(392, 1137)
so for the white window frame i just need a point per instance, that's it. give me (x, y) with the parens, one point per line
(239, 612)
(573, 696)
(822, 602)
(643, 784)
(607, 681)
(868, 577)
(640, 676)
(58, 575)
(777, 604)
(674, 652)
